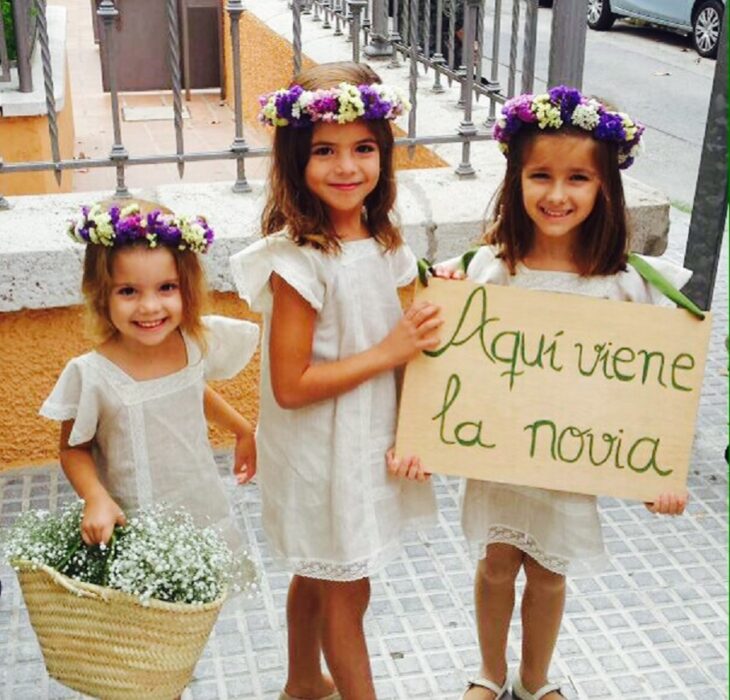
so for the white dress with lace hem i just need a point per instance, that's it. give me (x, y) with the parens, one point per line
(331, 511)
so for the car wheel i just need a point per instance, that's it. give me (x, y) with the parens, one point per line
(706, 26)
(600, 16)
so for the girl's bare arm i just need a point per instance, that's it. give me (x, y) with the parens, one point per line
(101, 512)
(219, 412)
(297, 382)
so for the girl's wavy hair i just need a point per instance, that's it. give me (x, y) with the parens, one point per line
(602, 246)
(97, 284)
(291, 206)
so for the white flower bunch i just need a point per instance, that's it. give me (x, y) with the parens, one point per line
(159, 554)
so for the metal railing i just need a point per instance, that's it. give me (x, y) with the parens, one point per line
(378, 26)
(25, 19)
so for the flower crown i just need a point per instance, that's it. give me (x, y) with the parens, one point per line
(564, 106)
(343, 104)
(117, 226)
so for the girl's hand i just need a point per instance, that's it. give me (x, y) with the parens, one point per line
(443, 272)
(668, 504)
(415, 332)
(406, 467)
(101, 514)
(244, 456)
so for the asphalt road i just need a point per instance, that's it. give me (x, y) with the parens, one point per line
(657, 78)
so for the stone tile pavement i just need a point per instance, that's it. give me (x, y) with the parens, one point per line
(652, 626)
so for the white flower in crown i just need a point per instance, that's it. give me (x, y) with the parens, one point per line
(351, 104)
(103, 230)
(268, 111)
(586, 115)
(548, 115)
(629, 126)
(400, 103)
(193, 234)
(129, 210)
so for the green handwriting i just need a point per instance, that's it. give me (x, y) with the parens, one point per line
(508, 348)
(468, 433)
(571, 444)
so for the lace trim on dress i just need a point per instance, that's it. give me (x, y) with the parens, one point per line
(336, 571)
(499, 534)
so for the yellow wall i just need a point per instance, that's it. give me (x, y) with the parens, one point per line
(26, 139)
(266, 65)
(37, 344)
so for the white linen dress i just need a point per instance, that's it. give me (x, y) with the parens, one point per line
(560, 530)
(149, 438)
(330, 509)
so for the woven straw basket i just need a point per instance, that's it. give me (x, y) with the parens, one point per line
(103, 643)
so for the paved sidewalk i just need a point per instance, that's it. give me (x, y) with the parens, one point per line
(652, 626)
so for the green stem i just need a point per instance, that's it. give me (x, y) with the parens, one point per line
(60, 566)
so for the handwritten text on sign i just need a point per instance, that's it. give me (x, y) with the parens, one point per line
(555, 390)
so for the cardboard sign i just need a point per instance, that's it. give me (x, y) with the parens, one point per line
(556, 390)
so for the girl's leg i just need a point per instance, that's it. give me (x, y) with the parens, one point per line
(542, 610)
(343, 637)
(304, 625)
(494, 595)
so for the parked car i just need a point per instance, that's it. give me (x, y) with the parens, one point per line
(700, 18)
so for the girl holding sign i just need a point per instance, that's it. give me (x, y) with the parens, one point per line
(559, 225)
(325, 276)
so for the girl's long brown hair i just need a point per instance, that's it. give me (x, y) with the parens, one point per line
(602, 246)
(96, 284)
(291, 206)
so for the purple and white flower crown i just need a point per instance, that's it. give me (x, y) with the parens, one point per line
(564, 106)
(118, 226)
(343, 104)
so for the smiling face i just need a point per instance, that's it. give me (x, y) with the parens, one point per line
(145, 304)
(342, 170)
(560, 183)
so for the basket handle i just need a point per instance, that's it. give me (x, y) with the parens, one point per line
(71, 586)
(79, 589)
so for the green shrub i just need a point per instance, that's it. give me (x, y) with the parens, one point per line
(7, 14)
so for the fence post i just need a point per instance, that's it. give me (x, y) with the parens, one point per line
(239, 146)
(21, 17)
(296, 10)
(466, 128)
(108, 13)
(356, 7)
(379, 44)
(709, 213)
(568, 43)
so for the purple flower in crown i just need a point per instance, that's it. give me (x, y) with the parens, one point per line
(128, 229)
(164, 229)
(568, 99)
(323, 107)
(285, 102)
(114, 212)
(516, 112)
(376, 107)
(610, 127)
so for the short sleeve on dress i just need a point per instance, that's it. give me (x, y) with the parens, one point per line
(74, 398)
(231, 344)
(483, 266)
(302, 267)
(633, 287)
(403, 264)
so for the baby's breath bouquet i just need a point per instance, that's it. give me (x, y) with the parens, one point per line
(159, 554)
(127, 620)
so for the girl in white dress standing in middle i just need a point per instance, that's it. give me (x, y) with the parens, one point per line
(325, 276)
